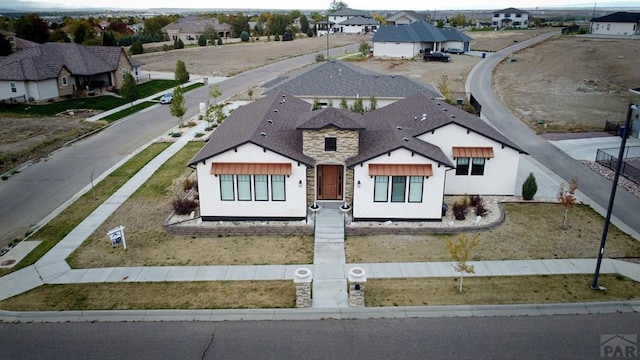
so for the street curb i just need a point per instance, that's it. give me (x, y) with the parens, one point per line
(400, 312)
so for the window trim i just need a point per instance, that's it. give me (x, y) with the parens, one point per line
(463, 169)
(478, 169)
(244, 180)
(399, 185)
(227, 179)
(65, 82)
(421, 188)
(330, 144)
(386, 188)
(14, 88)
(273, 187)
(255, 187)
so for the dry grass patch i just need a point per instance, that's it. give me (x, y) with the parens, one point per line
(148, 244)
(498, 290)
(165, 295)
(530, 231)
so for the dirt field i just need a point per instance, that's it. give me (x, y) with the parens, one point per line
(570, 83)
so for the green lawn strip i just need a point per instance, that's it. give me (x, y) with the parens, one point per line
(67, 220)
(186, 88)
(163, 295)
(104, 102)
(128, 111)
(498, 290)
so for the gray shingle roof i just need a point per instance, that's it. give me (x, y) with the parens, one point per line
(45, 61)
(510, 10)
(341, 79)
(360, 20)
(418, 31)
(350, 12)
(386, 129)
(328, 117)
(621, 16)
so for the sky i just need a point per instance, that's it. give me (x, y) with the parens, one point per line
(324, 4)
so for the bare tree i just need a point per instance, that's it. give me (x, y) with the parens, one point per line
(566, 197)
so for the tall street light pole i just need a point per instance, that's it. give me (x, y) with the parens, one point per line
(614, 186)
(328, 31)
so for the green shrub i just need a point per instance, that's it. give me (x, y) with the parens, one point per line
(529, 187)
(319, 57)
(244, 36)
(202, 40)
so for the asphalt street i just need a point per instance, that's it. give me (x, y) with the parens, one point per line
(517, 337)
(594, 186)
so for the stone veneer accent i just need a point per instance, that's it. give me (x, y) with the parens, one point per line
(357, 278)
(311, 186)
(302, 278)
(346, 140)
(348, 187)
(65, 89)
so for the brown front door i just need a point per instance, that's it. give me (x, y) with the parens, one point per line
(330, 182)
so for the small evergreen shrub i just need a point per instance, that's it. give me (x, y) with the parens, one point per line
(319, 57)
(529, 187)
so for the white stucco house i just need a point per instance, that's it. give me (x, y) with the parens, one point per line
(510, 18)
(350, 21)
(275, 157)
(408, 41)
(51, 70)
(618, 23)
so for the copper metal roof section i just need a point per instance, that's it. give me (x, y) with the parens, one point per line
(472, 152)
(400, 170)
(251, 168)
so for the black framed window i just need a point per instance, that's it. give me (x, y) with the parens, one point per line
(462, 166)
(477, 166)
(330, 144)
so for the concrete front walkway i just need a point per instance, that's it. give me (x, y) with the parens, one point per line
(329, 280)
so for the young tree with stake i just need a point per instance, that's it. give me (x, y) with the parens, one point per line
(460, 253)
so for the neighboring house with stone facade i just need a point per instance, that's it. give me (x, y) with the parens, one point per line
(273, 158)
(51, 70)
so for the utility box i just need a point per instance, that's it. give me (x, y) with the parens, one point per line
(357, 279)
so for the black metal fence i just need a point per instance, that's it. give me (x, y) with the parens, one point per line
(614, 128)
(630, 166)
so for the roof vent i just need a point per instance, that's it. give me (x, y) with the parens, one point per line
(263, 134)
(424, 117)
(438, 103)
(284, 95)
(275, 111)
(445, 109)
(432, 98)
(270, 121)
(405, 138)
(415, 118)
(399, 127)
(453, 116)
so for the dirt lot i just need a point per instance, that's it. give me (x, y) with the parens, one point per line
(570, 83)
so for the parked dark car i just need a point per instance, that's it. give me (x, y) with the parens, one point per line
(436, 56)
(454, 51)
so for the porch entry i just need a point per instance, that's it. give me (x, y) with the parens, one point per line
(329, 182)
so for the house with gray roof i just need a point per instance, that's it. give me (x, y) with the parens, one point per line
(329, 83)
(352, 21)
(619, 23)
(408, 41)
(189, 29)
(276, 157)
(51, 70)
(511, 18)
